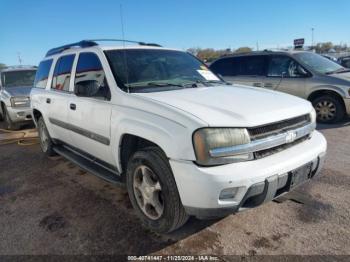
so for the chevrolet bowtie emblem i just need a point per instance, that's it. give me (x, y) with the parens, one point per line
(291, 136)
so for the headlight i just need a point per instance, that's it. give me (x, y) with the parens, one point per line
(20, 102)
(313, 116)
(206, 141)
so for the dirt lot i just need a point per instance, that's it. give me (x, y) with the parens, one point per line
(50, 206)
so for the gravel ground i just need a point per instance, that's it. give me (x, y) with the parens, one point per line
(50, 206)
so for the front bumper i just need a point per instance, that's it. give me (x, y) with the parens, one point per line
(347, 105)
(19, 114)
(255, 182)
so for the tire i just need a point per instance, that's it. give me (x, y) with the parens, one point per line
(153, 162)
(329, 109)
(46, 143)
(8, 122)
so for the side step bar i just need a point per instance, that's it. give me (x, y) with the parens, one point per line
(89, 165)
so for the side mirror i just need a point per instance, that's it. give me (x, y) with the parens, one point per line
(86, 88)
(301, 71)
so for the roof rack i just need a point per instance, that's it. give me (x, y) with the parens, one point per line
(92, 42)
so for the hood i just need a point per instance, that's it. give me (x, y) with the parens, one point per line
(343, 76)
(238, 106)
(18, 90)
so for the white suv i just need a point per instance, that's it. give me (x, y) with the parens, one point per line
(184, 142)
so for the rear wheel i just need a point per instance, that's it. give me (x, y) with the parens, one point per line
(153, 191)
(46, 143)
(329, 109)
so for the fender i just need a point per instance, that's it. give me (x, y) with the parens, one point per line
(336, 89)
(158, 134)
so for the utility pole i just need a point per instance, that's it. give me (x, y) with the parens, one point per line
(19, 58)
(312, 37)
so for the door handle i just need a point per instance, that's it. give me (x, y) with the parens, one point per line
(73, 106)
(257, 84)
(48, 100)
(269, 85)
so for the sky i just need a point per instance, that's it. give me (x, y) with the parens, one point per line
(30, 28)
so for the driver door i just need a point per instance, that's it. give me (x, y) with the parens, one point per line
(90, 115)
(284, 74)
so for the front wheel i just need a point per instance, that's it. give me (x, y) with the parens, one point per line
(153, 192)
(9, 124)
(46, 143)
(329, 109)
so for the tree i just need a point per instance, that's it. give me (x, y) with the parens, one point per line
(324, 47)
(244, 49)
(2, 66)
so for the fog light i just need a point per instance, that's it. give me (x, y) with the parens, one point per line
(228, 193)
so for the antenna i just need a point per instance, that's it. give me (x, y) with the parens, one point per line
(125, 58)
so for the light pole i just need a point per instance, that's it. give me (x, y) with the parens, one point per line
(312, 37)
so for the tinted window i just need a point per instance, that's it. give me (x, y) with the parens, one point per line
(318, 63)
(42, 74)
(252, 65)
(283, 65)
(222, 67)
(154, 70)
(62, 73)
(89, 68)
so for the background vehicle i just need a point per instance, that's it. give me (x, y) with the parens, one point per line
(308, 75)
(184, 142)
(15, 85)
(345, 61)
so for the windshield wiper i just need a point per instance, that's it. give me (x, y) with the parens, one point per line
(212, 82)
(164, 84)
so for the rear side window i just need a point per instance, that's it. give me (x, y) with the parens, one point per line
(62, 73)
(240, 66)
(225, 67)
(253, 66)
(42, 74)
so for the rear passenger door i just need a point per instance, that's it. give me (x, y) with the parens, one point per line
(245, 70)
(90, 115)
(57, 98)
(283, 75)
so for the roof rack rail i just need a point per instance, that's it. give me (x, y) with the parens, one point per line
(92, 42)
(125, 41)
(60, 49)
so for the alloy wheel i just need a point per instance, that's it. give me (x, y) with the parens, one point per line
(44, 138)
(148, 192)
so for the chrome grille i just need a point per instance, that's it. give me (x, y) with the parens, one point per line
(267, 152)
(278, 127)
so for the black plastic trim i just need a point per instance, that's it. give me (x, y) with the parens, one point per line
(80, 131)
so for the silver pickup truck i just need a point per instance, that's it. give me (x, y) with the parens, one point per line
(15, 85)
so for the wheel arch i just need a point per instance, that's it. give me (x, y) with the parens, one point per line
(36, 115)
(130, 144)
(331, 92)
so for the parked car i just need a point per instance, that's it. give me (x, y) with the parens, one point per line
(308, 75)
(332, 58)
(15, 85)
(184, 142)
(344, 61)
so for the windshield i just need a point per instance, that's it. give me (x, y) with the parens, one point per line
(18, 78)
(152, 70)
(319, 63)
